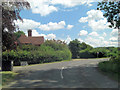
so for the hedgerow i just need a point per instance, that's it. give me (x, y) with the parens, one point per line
(50, 51)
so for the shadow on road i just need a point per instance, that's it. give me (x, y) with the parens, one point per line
(73, 77)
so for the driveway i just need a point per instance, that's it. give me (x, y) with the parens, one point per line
(69, 74)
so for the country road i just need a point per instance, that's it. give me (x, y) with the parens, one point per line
(68, 74)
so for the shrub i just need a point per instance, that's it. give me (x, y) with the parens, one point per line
(110, 66)
(50, 51)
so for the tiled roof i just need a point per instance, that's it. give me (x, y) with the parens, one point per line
(33, 40)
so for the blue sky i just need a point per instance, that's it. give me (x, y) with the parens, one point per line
(68, 20)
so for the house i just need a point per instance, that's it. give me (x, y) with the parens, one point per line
(36, 40)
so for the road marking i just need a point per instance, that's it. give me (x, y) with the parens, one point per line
(61, 72)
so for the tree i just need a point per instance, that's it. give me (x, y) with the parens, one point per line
(111, 12)
(74, 47)
(10, 12)
(19, 33)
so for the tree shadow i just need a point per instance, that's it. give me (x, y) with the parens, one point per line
(73, 77)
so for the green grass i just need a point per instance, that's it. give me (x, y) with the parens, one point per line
(110, 68)
(7, 76)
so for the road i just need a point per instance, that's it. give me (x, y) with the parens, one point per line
(68, 74)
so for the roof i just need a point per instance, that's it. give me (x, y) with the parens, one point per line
(33, 40)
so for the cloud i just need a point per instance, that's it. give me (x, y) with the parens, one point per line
(45, 7)
(49, 36)
(83, 33)
(93, 34)
(42, 7)
(35, 33)
(72, 3)
(113, 39)
(96, 42)
(102, 38)
(70, 26)
(114, 33)
(95, 20)
(68, 39)
(79, 39)
(104, 34)
(53, 26)
(46, 36)
(27, 24)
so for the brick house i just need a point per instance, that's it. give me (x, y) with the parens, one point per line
(36, 40)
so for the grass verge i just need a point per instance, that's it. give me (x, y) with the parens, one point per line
(7, 76)
(110, 69)
(44, 63)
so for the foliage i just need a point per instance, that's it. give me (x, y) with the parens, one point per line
(50, 51)
(10, 12)
(111, 67)
(79, 49)
(83, 50)
(74, 47)
(111, 12)
(18, 34)
(86, 54)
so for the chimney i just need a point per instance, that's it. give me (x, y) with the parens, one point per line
(29, 33)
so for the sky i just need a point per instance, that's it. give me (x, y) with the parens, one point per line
(67, 20)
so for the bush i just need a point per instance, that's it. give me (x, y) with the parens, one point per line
(50, 51)
(86, 54)
(110, 66)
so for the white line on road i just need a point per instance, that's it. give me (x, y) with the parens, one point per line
(61, 72)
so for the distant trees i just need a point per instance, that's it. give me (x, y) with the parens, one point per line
(76, 47)
(83, 50)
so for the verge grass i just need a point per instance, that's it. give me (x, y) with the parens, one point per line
(7, 76)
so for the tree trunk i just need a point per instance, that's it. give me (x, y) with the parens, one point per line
(7, 65)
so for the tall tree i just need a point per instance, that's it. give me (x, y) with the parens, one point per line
(111, 12)
(74, 47)
(11, 12)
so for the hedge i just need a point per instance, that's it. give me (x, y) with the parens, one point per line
(39, 54)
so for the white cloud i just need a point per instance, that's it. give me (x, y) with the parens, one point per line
(45, 7)
(97, 42)
(53, 26)
(95, 20)
(35, 33)
(83, 33)
(72, 3)
(70, 26)
(27, 24)
(113, 39)
(42, 7)
(83, 19)
(93, 34)
(102, 38)
(79, 39)
(113, 44)
(104, 34)
(49, 36)
(68, 39)
(114, 33)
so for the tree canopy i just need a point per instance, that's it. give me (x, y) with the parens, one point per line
(19, 33)
(111, 12)
(10, 12)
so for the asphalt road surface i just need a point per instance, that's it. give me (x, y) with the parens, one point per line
(68, 74)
